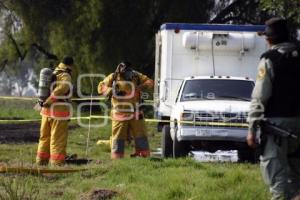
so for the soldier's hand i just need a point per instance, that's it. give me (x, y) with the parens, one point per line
(251, 140)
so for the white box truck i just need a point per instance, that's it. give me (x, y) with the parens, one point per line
(203, 82)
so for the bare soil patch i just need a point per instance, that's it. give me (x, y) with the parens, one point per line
(21, 133)
(101, 194)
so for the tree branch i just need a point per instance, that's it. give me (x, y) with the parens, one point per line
(4, 6)
(22, 56)
(237, 18)
(12, 15)
(230, 8)
(46, 53)
(3, 65)
(238, 11)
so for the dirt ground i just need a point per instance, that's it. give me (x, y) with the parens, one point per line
(20, 133)
(99, 194)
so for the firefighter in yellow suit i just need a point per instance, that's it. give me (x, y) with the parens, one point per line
(55, 117)
(124, 87)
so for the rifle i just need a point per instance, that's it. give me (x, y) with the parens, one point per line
(268, 127)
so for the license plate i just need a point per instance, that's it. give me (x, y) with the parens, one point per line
(203, 132)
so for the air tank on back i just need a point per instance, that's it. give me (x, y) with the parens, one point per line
(45, 81)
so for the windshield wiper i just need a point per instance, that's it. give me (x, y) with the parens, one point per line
(233, 97)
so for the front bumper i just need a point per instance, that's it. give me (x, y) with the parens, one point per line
(212, 133)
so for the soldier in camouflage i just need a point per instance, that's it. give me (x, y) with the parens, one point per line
(276, 97)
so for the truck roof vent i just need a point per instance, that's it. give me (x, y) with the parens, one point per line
(211, 76)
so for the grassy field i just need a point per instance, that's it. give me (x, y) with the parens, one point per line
(17, 109)
(131, 178)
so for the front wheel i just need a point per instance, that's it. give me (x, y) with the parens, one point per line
(180, 148)
(166, 142)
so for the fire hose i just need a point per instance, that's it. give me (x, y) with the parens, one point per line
(5, 169)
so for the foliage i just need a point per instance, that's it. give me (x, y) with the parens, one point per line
(129, 28)
(18, 74)
(15, 188)
(288, 9)
(16, 58)
(101, 33)
(239, 12)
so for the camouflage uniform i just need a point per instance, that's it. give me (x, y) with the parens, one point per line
(280, 171)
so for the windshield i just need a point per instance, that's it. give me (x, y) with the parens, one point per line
(214, 89)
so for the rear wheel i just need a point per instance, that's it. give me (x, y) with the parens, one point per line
(166, 142)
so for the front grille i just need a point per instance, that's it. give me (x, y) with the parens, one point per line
(221, 119)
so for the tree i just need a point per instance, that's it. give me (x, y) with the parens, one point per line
(101, 33)
(129, 27)
(98, 33)
(257, 11)
(288, 9)
(239, 12)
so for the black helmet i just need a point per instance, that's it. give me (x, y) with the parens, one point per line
(123, 67)
(68, 60)
(277, 30)
(125, 70)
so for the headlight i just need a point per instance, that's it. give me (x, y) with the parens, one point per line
(187, 116)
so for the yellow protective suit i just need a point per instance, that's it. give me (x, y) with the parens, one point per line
(55, 116)
(127, 119)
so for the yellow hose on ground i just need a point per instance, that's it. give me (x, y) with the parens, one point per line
(105, 142)
(4, 169)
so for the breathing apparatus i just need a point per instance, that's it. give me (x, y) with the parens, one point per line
(45, 81)
(48, 77)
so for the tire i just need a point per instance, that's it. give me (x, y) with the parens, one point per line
(166, 142)
(180, 148)
(159, 127)
(248, 155)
